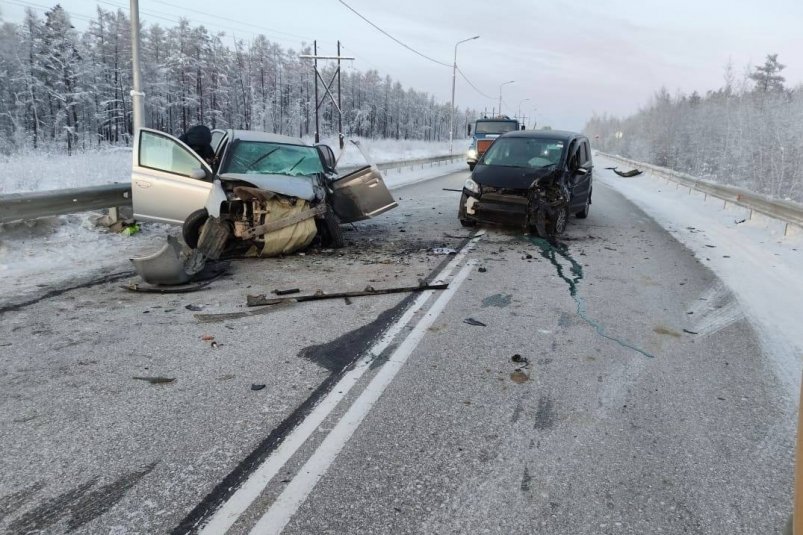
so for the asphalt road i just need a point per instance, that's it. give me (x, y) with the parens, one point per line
(392, 414)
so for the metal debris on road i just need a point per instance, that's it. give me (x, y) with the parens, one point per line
(156, 380)
(255, 387)
(482, 269)
(689, 332)
(207, 338)
(472, 321)
(627, 174)
(452, 189)
(262, 300)
(287, 292)
(443, 251)
(519, 377)
(194, 308)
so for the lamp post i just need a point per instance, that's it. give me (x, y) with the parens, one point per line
(500, 94)
(522, 100)
(454, 74)
(137, 96)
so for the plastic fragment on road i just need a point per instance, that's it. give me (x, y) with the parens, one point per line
(256, 387)
(472, 321)
(156, 380)
(443, 251)
(130, 230)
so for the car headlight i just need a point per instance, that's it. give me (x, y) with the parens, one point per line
(472, 153)
(472, 186)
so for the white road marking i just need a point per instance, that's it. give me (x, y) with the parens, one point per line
(296, 492)
(237, 504)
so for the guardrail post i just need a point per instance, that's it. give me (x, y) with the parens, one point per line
(114, 215)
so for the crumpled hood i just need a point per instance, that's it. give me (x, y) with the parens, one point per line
(509, 177)
(302, 187)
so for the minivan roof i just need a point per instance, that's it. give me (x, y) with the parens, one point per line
(563, 135)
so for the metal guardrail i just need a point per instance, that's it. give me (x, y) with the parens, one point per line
(787, 211)
(22, 206)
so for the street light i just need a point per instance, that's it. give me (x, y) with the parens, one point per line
(454, 74)
(522, 100)
(500, 94)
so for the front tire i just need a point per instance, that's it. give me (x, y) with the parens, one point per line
(333, 234)
(191, 229)
(471, 166)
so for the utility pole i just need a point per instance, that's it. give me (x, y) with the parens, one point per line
(454, 75)
(137, 96)
(327, 88)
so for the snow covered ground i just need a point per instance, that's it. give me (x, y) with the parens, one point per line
(42, 255)
(762, 267)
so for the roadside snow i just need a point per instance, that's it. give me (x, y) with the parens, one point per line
(762, 267)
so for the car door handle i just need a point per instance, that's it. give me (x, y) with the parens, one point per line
(143, 184)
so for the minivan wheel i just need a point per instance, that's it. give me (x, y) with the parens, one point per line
(561, 217)
(191, 229)
(471, 166)
(582, 214)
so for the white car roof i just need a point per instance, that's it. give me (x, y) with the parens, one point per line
(268, 137)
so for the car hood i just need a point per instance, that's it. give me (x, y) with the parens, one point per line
(292, 186)
(509, 177)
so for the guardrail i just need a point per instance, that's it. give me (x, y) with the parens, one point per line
(787, 211)
(22, 206)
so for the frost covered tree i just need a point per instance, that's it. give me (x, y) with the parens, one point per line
(768, 76)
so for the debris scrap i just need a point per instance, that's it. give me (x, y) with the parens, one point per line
(194, 308)
(156, 380)
(627, 174)
(472, 321)
(443, 251)
(287, 291)
(256, 387)
(262, 300)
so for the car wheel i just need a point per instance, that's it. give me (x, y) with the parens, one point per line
(333, 234)
(191, 229)
(468, 223)
(561, 218)
(471, 166)
(582, 214)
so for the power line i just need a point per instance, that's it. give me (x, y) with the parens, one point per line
(472, 85)
(394, 39)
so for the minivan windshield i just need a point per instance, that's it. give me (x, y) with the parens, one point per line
(524, 152)
(258, 157)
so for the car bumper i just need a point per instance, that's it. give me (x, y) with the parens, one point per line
(493, 208)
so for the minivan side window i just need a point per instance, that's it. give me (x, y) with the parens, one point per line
(165, 154)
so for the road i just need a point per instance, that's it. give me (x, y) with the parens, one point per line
(584, 404)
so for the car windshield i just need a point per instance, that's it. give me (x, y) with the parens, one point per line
(257, 157)
(524, 152)
(495, 127)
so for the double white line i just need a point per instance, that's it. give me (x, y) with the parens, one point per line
(294, 494)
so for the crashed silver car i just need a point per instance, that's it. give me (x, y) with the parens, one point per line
(273, 191)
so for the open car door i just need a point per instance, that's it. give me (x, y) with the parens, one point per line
(361, 195)
(169, 180)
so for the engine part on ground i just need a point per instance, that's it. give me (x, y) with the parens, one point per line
(263, 300)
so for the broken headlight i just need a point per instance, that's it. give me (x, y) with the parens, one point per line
(472, 186)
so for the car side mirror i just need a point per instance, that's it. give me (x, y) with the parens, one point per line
(327, 157)
(199, 173)
(581, 171)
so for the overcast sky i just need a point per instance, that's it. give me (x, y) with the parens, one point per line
(568, 59)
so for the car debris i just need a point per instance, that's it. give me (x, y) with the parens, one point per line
(262, 300)
(156, 380)
(472, 321)
(286, 292)
(518, 359)
(627, 174)
(194, 308)
(256, 387)
(443, 251)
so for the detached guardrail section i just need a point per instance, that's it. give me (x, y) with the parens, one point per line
(22, 206)
(787, 211)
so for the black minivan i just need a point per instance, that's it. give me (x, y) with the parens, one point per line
(530, 176)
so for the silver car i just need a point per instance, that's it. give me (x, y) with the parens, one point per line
(171, 183)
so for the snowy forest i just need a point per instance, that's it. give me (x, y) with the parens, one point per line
(748, 133)
(70, 89)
